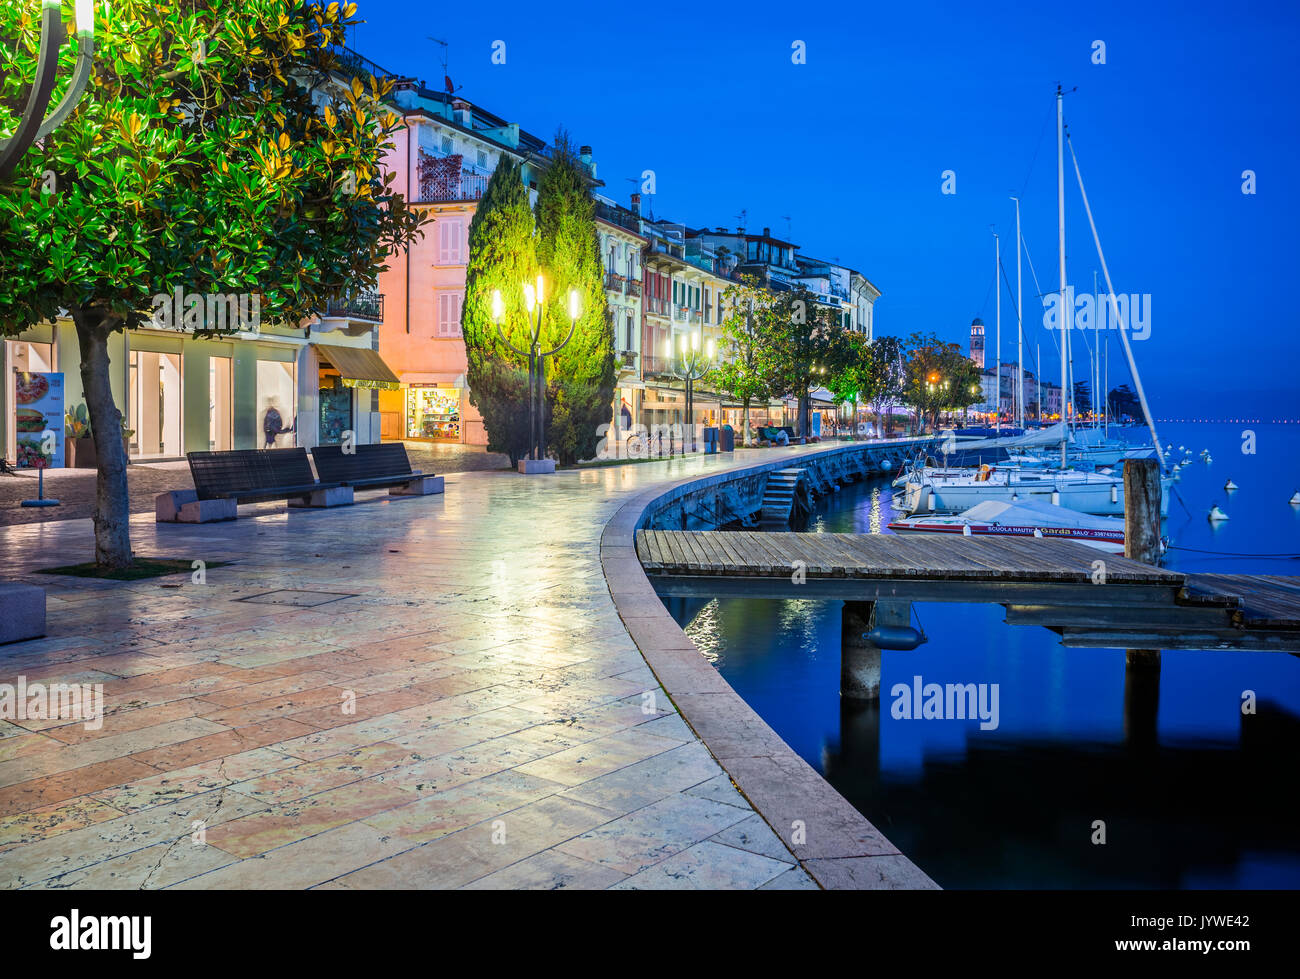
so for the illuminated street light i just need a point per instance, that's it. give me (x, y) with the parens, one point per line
(34, 124)
(534, 295)
(689, 365)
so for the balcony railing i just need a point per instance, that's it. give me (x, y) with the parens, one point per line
(618, 216)
(363, 306)
(655, 305)
(470, 187)
(633, 288)
(614, 282)
(684, 314)
(627, 359)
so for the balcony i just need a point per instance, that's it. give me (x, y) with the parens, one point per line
(626, 360)
(655, 305)
(439, 189)
(365, 307)
(684, 314)
(615, 283)
(633, 288)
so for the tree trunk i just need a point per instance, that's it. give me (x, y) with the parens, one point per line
(744, 426)
(112, 502)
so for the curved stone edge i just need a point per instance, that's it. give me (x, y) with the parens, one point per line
(841, 849)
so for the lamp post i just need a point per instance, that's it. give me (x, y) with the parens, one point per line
(534, 296)
(34, 124)
(690, 361)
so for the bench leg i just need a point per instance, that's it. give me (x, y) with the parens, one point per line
(184, 506)
(335, 496)
(421, 486)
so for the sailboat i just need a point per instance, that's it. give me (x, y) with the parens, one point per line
(1022, 519)
(930, 489)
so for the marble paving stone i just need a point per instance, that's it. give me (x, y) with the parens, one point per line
(707, 866)
(644, 782)
(549, 870)
(755, 835)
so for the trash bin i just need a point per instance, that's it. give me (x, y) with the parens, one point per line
(710, 441)
(727, 442)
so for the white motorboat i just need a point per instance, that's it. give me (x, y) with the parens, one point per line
(1024, 519)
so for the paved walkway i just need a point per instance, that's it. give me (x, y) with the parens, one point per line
(421, 692)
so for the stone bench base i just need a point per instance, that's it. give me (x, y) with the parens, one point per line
(336, 496)
(424, 486)
(533, 467)
(184, 506)
(22, 612)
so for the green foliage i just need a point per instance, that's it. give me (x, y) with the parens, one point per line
(939, 376)
(501, 257)
(197, 158)
(580, 378)
(806, 347)
(743, 371)
(76, 422)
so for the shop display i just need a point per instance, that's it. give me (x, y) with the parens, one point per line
(433, 413)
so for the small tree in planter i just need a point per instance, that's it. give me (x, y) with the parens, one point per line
(79, 442)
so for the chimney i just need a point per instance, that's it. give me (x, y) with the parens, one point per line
(767, 232)
(464, 112)
(636, 204)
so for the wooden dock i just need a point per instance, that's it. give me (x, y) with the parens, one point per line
(1088, 597)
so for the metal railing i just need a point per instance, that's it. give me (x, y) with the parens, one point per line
(633, 288)
(363, 306)
(614, 282)
(470, 187)
(655, 305)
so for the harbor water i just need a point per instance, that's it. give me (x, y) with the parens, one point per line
(1083, 777)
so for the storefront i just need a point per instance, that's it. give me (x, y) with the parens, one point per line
(347, 379)
(433, 412)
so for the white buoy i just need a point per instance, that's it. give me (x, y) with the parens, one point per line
(1037, 532)
(965, 530)
(1216, 514)
(1230, 486)
(1114, 492)
(1295, 498)
(1208, 460)
(1056, 497)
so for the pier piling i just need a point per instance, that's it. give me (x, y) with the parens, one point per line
(1142, 535)
(859, 660)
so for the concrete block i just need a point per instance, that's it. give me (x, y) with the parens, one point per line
(184, 506)
(22, 612)
(334, 496)
(532, 467)
(423, 486)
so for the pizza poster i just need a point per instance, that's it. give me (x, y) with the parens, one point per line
(38, 420)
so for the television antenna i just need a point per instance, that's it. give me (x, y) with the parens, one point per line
(789, 230)
(446, 78)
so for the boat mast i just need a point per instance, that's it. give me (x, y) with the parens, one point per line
(997, 356)
(1062, 313)
(1094, 381)
(1020, 332)
(1114, 309)
(1038, 379)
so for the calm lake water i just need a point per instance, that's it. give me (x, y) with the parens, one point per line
(1193, 792)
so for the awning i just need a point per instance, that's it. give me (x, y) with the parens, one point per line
(361, 367)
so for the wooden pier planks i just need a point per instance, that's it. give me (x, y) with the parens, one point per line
(922, 556)
(1263, 601)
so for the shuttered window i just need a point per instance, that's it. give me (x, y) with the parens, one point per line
(449, 313)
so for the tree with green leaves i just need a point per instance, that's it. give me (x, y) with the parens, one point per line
(939, 376)
(212, 152)
(806, 346)
(888, 375)
(742, 370)
(852, 382)
(502, 256)
(580, 378)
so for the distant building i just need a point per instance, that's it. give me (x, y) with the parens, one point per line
(977, 341)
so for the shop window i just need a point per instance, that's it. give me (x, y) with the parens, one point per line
(276, 404)
(433, 413)
(335, 407)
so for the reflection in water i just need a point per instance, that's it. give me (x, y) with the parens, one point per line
(1192, 793)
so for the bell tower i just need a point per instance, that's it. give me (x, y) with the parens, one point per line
(977, 342)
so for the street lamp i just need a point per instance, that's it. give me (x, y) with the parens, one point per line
(34, 124)
(534, 301)
(689, 362)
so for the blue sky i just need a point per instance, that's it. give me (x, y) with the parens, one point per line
(851, 145)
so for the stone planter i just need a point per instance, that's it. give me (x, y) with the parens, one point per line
(80, 453)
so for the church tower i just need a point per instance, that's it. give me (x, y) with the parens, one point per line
(977, 342)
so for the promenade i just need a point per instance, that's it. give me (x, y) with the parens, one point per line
(428, 692)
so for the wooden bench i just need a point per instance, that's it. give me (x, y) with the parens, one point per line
(374, 466)
(222, 480)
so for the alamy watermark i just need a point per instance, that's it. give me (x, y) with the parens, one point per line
(23, 701)
(920, 701)
(1095, 312)
(213, 312)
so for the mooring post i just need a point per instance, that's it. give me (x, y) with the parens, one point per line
(1142, 534)
(859, 660)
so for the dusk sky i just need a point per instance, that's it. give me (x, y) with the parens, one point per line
(851, 147)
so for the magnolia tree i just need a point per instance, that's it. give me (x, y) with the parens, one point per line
(215, 152)
(806, 347)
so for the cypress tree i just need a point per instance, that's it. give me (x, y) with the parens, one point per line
(501, 256)
(580, 379)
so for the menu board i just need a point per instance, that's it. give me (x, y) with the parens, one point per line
(38, 420)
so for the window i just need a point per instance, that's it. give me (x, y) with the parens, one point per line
(446, 144)
(451, 237)
(630, 345)
(482, 158)
(449, 313)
